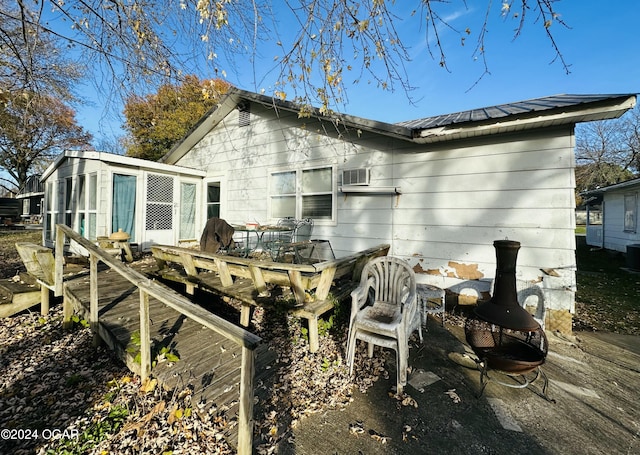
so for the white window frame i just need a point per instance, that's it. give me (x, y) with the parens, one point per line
(630, 220)
(212, 182)
(183, 206)
(69, 202)
(139, 202)
(84, 206)
(50, 210)
(299, 194)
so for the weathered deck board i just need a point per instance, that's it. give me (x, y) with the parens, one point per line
(209, 363)
(16, 297)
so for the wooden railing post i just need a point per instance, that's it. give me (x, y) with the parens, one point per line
(245, 414)
(145, 337)
(59, 262)
(93, 297)
(149, 288)
(67, 306)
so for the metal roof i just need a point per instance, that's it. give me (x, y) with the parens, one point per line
(505, 110)
(616, 186)
(505, 118)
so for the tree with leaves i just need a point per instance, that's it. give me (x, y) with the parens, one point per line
(34, 129)
(157, 121)
(316, 45)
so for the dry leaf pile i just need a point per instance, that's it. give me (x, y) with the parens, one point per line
(55, 380)
(305, 382)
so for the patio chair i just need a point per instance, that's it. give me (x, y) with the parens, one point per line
(303, 230)
(312, 251)
(286, 236)
(384, 311)
(278, 244)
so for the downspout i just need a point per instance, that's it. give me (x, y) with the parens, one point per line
(603, 221)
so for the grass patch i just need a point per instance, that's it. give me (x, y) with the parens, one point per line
(9, 258)
(607, 297)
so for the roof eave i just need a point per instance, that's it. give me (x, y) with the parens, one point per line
(602, 110)
(206, 123)
(235, 96)
(614, 187)
(374, 126)
(121, 160)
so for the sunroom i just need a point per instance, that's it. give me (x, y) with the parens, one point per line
(98, 194)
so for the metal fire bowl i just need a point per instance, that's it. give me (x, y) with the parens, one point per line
(513, 356)
(507, 350)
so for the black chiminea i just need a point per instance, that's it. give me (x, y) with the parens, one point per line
(503, 309)
(503, 335)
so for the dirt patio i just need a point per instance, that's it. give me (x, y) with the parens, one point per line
(594, 380)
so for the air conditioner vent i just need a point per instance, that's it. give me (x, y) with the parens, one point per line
(355, 177)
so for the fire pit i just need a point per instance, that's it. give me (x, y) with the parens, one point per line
(504, 336)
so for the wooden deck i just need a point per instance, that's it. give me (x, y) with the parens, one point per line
(139, 318)
(315, 287)
(208, 361)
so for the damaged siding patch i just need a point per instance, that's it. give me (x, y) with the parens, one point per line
(453, 270)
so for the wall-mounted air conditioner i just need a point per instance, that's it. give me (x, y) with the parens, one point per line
(358, 177)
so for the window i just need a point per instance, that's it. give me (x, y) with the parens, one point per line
(68, 206)
(213, 200)
(630, 204)
(187, 211)
(93, 206)
(49, 216)
(86, 188)
(81, 204)
(123, 205)
(283, 195)
(305, 193)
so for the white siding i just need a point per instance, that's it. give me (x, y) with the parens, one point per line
(457, 198)
(74, 166)
(615, 237)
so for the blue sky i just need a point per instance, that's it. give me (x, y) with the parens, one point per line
(600, 47)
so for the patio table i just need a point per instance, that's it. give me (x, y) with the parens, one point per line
(259, 231)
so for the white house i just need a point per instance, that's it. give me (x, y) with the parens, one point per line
(619, 206)
(439, 190)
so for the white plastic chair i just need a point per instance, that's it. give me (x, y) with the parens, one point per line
(384, 311)
(531, 295)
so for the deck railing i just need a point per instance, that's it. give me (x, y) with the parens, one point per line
(147, 287)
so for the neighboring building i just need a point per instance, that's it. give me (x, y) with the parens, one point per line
(619, 223)
(9, 211)
(99, 193)
(31, 197)
(439, 190)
